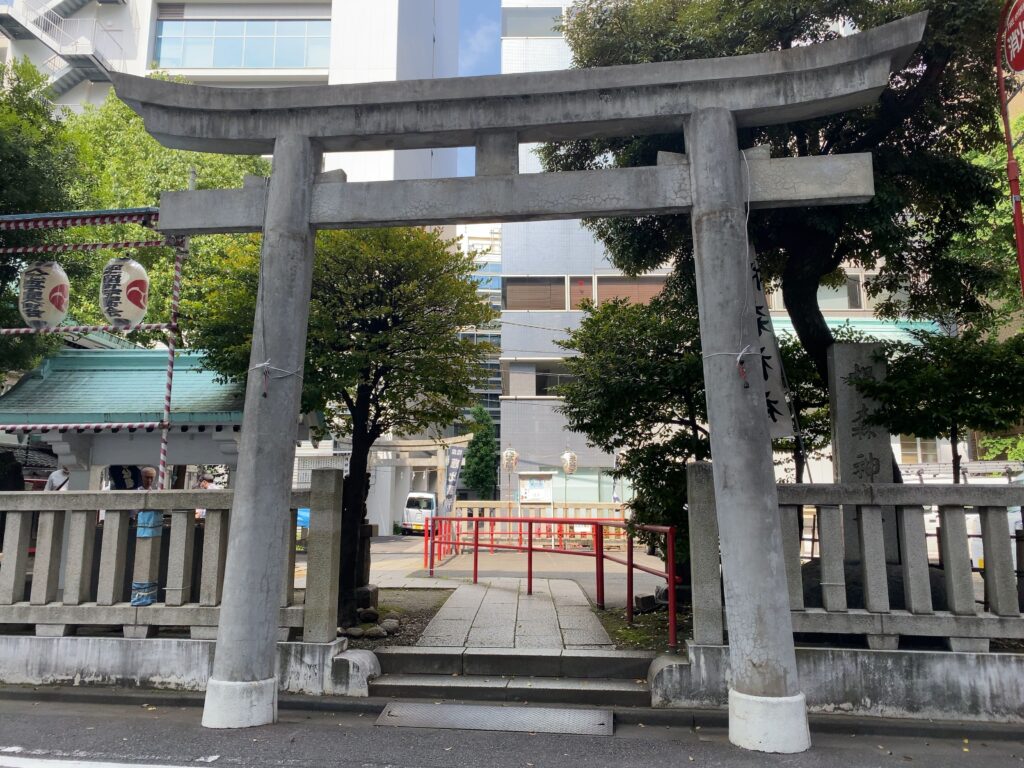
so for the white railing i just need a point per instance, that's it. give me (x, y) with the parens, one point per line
(102, 558)
(73, 37)
(963, 587)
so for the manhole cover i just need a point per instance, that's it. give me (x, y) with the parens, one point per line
(471, 717)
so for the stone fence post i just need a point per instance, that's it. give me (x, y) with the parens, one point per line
(323, 562)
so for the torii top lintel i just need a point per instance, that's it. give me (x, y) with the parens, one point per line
(760, 89)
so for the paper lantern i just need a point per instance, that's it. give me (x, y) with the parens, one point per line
(569, 462)
(124, 293)
(510, 460)
(44, 295)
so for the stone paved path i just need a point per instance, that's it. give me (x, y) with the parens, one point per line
(499, 614)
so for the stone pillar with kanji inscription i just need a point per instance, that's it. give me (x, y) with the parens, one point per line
(861, 452)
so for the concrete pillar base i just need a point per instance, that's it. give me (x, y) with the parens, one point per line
(769, 723)
(232, 704)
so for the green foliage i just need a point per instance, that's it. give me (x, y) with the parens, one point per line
(922, 220)
(1010, 447)
(40, 166)
(125, 167)
(637, 389)
(942, 386)
(481, 468)
(383, 352)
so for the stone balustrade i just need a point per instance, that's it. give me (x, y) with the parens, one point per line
(64, 569)
(966, 588)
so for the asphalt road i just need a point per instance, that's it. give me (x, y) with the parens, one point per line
(38, 734)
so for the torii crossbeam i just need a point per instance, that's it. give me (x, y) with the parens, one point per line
(713, 182)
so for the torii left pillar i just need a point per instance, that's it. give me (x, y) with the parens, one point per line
(242, 691)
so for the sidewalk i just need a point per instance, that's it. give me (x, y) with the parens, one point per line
(498, 613)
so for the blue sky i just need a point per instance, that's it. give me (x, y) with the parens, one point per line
(479, 51)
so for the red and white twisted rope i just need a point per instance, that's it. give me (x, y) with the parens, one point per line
(83, 427)
(72, 247)
(179, 258)
(83, 219)
(86, 329)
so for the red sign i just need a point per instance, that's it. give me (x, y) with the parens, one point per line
(1013, 37)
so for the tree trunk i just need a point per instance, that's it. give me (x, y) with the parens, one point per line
(351, 521)
(800, 294)
(954, 439)
(798, 459)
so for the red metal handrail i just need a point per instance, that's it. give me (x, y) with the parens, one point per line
(442, 536)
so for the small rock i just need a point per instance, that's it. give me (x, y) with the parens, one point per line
(376, 632)
(391, 617)
(369, 615)
(355, 632)
(390, 626)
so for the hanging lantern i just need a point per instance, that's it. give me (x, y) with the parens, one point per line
(124, 293)
(45, 290)
(510, 460)
(569, 462)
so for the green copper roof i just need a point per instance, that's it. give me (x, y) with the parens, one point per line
(94, 385)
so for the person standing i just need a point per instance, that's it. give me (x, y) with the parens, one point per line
(58, 479)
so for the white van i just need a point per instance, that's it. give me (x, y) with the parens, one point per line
(418, 505)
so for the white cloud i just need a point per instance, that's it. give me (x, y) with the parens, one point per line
(475, 47)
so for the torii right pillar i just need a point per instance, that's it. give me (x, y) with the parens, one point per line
(767, 711)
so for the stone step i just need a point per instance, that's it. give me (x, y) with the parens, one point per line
(549, 690)
(521, 662)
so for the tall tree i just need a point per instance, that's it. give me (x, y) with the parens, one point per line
(942, 386)
(937, 107)
(481, 468)
(636, 389)
(383, 353)
(40, 173)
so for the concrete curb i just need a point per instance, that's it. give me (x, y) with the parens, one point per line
(704, 719)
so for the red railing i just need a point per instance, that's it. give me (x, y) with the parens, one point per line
(444, 537)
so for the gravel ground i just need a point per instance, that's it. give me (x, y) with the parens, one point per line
(414, 607)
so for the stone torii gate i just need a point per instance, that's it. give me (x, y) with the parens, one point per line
(708, 99)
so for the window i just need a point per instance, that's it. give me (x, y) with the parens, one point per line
(580, 289)
(549, 376)
(238, 44)
(637, 290)
(488, 276)
(533, 293)
(833, 298)
(531, 22)
(918, 450)
(853, 292)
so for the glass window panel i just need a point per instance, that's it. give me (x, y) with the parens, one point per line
(908, 449)
(227, 52)
(259, 53)
(521, 293)
(580, 289)
(170, 28)
(291, 29)
(199, 28)
(853, 291)
(833, 298)
(168, 52)
(318, 28)
(318, 52)
(259, 29)
(290, 53)
(230, 28)
(197, 52)
(929, 450)
(531, 22)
